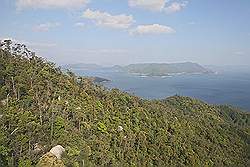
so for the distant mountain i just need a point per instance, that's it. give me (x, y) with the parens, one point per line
(162, 69)
(149, 69)
(91, 67)
(82, 66)
(95, 67)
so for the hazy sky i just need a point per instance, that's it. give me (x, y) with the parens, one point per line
(130, 31)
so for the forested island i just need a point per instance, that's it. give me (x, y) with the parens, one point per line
(99, 79)
(146, 69)
(42, 106)
(165, 69)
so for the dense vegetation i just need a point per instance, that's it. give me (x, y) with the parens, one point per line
(41, 107)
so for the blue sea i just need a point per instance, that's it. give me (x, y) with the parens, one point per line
(227, 86)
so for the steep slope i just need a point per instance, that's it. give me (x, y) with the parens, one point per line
(42, 107)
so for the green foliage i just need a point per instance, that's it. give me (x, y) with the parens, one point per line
(59, 127)
(42, 105)
(24, 163)
(102, 127)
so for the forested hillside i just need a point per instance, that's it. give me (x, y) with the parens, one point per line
(41, 107)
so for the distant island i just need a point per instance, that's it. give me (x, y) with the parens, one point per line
(88, 67)
(99, 79)
(164, 69)
(82, 66)
(147, 69)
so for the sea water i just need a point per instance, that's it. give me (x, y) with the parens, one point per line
(230, 87)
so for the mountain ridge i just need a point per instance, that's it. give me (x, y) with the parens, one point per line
(161, 69)
(149, 69)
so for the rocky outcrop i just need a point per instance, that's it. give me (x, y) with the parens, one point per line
(52, 158)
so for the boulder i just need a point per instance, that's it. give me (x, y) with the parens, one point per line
(52, 158)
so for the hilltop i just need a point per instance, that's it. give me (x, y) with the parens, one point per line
(41, 107)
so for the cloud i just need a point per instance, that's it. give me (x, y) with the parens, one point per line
(50, 4)
(45, 26)
(151, 29)
(158, 5)
(154, 5)
(175, 7)
(80, 25)
(239, 53)
(105, 19)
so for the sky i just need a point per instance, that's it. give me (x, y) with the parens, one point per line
(109, 32)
